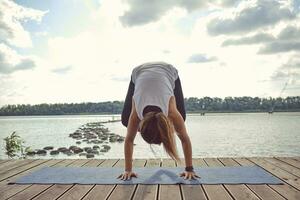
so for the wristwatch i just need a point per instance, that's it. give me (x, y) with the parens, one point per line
(189, 169)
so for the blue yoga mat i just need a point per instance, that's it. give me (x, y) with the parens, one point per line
(149, 175)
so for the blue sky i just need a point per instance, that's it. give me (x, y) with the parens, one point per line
(58, 21)
(64, 51)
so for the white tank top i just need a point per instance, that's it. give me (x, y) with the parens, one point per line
(154, 85)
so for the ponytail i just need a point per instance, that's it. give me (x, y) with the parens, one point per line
(167, 136)
(156, 128)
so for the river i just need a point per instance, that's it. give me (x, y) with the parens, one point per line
(212, 135)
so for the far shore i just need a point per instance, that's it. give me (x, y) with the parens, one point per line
(188, 113)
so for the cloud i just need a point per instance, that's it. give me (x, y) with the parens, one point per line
(144, 11)
(120, 78)
(227, 3)
(287, 40)
(250, 16)
(289, 33)
(41, 33)
(10, 61)
(287, 76)
(278, 47)
(200, 58)
(62, 70)
(293, 64)
(166, 51)
(290, 78)
(11, 17)
(254, 39)
(289, 71)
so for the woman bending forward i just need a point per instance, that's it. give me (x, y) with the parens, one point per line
(154, 106)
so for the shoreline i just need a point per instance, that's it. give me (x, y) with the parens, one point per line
(118, 114)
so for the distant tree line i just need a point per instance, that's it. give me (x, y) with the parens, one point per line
(192, 105)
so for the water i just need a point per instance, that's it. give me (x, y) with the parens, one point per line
(212, 135)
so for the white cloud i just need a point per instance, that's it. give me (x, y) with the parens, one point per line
(140, 12)
(250, 16)
(41, 33)
(95, 64)
(201, 58)
(11, 17)
(10, 61)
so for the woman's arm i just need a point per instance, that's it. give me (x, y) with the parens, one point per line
(178, 123)
(128, 147)
(181, 131)
(132, 128)
(184, 138)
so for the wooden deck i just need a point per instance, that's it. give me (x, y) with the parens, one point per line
(285, 168)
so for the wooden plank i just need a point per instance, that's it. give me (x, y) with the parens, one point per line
(126, 191)
(6, 166)
(282, 174)
(101, 191)
(6, 160)
(94, 163)
(6, 174)
(190, 192)
(280, 167)
(290, 161)
(5, 182)
(296, 158)
(147, 192)
(55, 190)
(169, 191)
(78, 191)
(244, 162)
(36, 189)
(285, 166)
(263, 191)
(19, 166)
(236, 191)
(215, 191)
(12, 189)
(285, 190)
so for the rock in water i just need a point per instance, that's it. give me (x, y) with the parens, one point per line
(30, 153)
(103, 150)
(62, 149)
(89, 151)
(54, 152)
(106, 147)
(77, 150)
(87, 148)
(48, 148)
(90, 155)
(41, 151)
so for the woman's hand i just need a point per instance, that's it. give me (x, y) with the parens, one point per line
(189, 175)
(127, 175)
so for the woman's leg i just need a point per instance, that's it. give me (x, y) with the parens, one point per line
(127, 104)
(179, 98)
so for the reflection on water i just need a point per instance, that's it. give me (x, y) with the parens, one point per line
(212, 135)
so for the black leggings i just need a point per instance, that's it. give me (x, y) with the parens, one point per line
(128, 101)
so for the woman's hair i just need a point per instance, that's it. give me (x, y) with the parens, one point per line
(156, 128)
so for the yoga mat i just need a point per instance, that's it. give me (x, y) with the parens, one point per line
(149, 175)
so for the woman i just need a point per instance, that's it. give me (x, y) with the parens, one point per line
(154, 106)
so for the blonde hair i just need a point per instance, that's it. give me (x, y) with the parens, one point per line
(156, 128)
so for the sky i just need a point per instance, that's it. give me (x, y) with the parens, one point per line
(74, 51)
